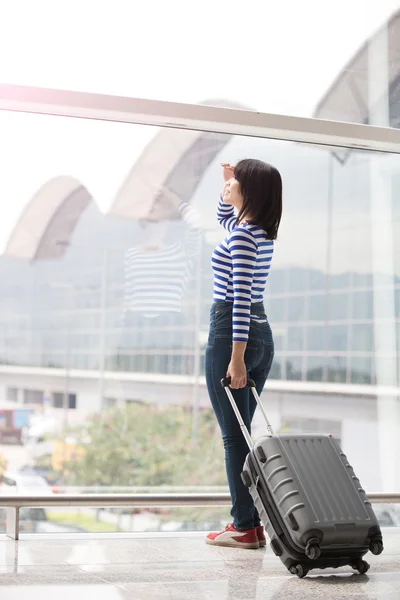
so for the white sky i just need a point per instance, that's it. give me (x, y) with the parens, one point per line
(272, 55)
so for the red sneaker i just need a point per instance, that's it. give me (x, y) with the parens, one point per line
(261, 536)
(232, 538)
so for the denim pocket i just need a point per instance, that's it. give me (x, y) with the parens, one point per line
(252, 355)
(223, 314)
(265, 333)
(223, 321)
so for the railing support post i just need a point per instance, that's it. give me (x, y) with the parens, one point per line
(12, 527)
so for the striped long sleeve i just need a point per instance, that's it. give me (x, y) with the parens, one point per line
(226, 215)
(243, 249)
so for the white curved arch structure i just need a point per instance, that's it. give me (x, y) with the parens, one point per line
(49, 219)
(166, 173)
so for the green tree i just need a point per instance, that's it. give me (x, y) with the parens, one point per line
(143, 445)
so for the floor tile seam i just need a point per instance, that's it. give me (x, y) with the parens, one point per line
(99, 578)
(169, 562)
(128, 586)
(114, 584)
(71, 568)
(23, 564)
(169, 582)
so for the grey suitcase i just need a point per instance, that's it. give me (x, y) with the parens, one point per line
(312, 505)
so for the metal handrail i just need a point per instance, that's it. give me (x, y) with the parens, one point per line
(112, 500)
(16, 502)
(141, 500)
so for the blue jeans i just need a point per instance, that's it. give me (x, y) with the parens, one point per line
(258, 358)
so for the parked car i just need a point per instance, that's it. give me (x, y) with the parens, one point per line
(21, 483)
(47, 473)
(29, 519)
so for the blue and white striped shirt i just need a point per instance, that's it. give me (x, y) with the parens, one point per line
(155, 281)
(241, 266)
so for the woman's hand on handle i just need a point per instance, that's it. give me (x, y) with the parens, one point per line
(237, 372)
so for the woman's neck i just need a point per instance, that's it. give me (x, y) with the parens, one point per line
(245, 219)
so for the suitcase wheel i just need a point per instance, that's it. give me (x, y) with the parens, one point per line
(376, 547)
(299, 570)
(313, 551)
(246, 479)
(360, 565)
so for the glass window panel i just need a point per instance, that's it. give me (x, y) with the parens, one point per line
(397, 302)
(340, 281)
(296, 308)
(362, 337)
(295, 340)
(363, 304)
(316, 280)
(362, 280)
(361, 370)
(316, 308)
(398, 337)
(293, 367)
(280, 338)
(301, 426)
(298, 280)
(396, 227)
(315, 368)
(337, 337)
(277, 281)
(276, 368)
(12, 394)
(149, 351)
(315, 338)
(336, 369)
(276, 309)
(339, 306)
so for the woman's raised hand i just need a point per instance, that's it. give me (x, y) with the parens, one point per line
(228, 171)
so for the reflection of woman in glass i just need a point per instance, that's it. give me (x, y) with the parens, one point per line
(156, 273)
(240, 343)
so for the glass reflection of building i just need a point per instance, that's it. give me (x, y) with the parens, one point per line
(333, 296)
(320, 295)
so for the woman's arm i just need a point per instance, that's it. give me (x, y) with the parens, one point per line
(226, 215)
(226, 212)
(243, 248)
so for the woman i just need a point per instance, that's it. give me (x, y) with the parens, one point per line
(240, 342)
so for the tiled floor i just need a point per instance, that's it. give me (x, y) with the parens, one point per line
(178, 568)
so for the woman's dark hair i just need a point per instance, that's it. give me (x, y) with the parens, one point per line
(261, 188)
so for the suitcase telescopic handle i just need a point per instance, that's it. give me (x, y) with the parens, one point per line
(225, 382)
